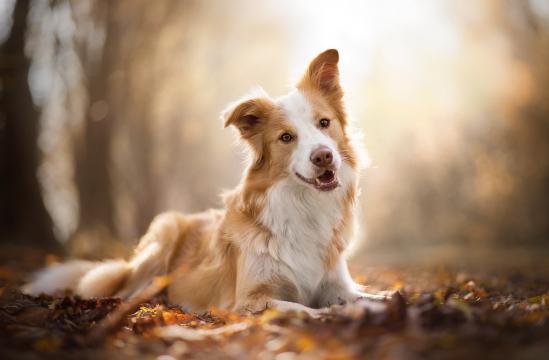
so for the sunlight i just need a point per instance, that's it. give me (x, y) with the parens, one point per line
(401, 31)
(6, 9)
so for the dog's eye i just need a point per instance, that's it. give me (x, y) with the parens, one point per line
(286, 137)
(324, 123)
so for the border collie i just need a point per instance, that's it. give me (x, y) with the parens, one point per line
(280, 240)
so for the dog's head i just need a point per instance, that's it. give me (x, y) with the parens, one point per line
(300, 136)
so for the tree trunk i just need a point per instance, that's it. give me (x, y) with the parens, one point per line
(24, 217)
(93, 153)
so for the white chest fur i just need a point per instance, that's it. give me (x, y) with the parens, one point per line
(301, 220)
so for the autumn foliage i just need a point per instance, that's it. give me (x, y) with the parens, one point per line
(447, 314)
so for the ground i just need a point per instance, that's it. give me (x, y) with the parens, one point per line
(442, 314)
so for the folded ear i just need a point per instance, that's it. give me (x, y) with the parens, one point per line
(248, 115)
(323, 73)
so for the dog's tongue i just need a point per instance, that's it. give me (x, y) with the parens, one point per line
(326, 177)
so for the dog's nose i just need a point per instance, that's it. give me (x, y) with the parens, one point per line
(322, 156)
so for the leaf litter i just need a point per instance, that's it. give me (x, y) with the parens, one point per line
(437, 314)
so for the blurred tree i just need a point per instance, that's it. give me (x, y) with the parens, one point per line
(526, 127)
(93, 150)
(121, 89)
(23, 215)
(481, 187)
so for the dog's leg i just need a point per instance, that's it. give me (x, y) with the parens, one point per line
(256, 304)
(339, 294)
(153, 254)
(116, 277)
(261, 284)
(337, 287)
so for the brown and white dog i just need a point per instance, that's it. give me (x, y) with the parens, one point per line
(280, 240)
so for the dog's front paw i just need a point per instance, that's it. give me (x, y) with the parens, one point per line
(251, 307)
(388, 308)
(351, 297)
(381, 296)
(255, 307)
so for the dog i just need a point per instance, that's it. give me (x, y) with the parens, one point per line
(280, 241)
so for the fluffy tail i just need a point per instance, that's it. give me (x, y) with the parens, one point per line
(115, 277)
(85, 278)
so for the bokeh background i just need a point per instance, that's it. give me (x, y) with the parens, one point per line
(109, 114)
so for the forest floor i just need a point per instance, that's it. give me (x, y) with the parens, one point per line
(447, 314)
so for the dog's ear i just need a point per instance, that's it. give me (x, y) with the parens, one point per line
(248, 115)
(323, 74)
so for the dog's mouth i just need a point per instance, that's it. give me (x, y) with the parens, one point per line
(326, 181)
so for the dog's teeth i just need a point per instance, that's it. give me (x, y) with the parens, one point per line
(317, 181)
